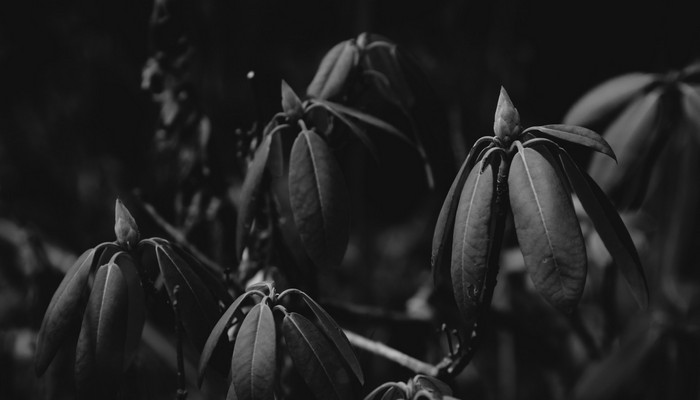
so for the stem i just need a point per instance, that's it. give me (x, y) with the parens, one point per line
(392, 354)
(181, 388)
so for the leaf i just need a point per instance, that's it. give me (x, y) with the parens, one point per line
(333, 332)
(319, 199)
(471, 241)
(444, 227)
(354, 128)
(394, 393)
(333, 71)
(216, 332)
(691, 107)
(63, 312)
(136, 305)
(253, 360)
(211, 280)
(610, 227)
(432, 385)
(198, 309)
(291, 105)
(547, 229)
(384, 60)
(577, 135)
(315, 360)
(250, 194)
(100, 349)
(607, 97)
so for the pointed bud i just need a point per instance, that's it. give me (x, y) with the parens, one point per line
(291, 105)
(506, 123)
(125, 226)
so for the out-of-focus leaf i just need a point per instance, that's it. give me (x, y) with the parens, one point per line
(384, 60)
(315, 359)
(548, 232)
(63, 312)
(333, 71)
(691, 106)
(629, 135)
(578, 135)
(250, 193)
(231, 394)
(354, 128)
(394, 393)
(607, 98)
(319, 199)
(213, 282)
(253, 360)
(216, 333)
(333, 332)
(100, 350)
(471, 241)
(198, 309)
(610, 227)
(384, 388)
(291, 105)
(136, 308)
(431, 384)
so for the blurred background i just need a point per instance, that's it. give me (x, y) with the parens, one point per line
(86, 117)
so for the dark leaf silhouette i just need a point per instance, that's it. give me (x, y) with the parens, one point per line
(253, 360)
(576, 134)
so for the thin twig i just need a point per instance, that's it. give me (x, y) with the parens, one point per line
(392, 354)
(181, 388)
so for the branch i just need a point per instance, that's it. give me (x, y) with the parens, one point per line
(392, 354)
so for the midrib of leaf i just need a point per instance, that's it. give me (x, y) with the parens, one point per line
(318, 358)
(544, 223)
(102, 305)
(255, 347)
(466, 225)
(318, 185)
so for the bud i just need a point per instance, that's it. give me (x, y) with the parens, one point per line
(125, 226)
(291, 105)
(506, 123)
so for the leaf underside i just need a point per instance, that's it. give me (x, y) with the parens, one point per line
(333, 71)
(253, 360)
(548, 231)
(577, 135)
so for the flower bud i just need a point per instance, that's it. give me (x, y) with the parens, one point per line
(125, 226)
(506, 124)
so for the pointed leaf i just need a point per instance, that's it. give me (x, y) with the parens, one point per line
(354, 128)
(319, 199)
(214, 282)
(250, 194)
(333, 71)
(315, 360)
(432, 385)
(136, 305)
(100, 349)
(221, 326)
(547, 229)
(691, 107)
(253, 360)
(578, 135)
(610, 227)
(607, 98)
(198, 309)
(64, 312)
(291, 104)
(333, 332)
(470, 244)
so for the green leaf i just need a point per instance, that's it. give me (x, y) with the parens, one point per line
(63, 312)
(315, 360)
(333, 332)
(319, 199)
(471, 241)
(691, 107)
(253, 360)
(198, 309)
(250, 194)
(136, 308)
(291, 105)
(333, 71)
(607, 97)
(216, 332)
(577, 135)
(547, 229)
(610, 227)
(100, 350)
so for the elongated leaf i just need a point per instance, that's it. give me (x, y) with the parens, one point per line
(384, 60)
(607, 98)
(253, 360)
(198, 309)
(315, 359)
(136, 305)
(444, 227)
(231, 394)
(215, 335)
(577, 135)
(213, 281)
(333, 71)
(100, 349)
(333, 332)
(319, 199)
(394, 393)
(630, 135)
(383, 388)
(610, 227)
(691, 107)
(64, 312)
(433, 385)
(250, 194)
(470, 245)
(354, 128)
(547, 229)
